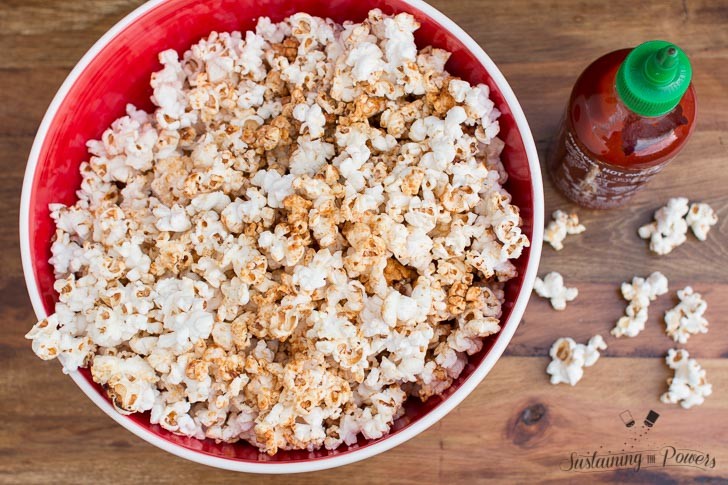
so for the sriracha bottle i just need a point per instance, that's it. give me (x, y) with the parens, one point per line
(630, 113)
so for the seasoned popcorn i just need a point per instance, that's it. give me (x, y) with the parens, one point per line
(688, 386)
(552, 287)
(639, 294)
(686, 318)
(309, 228)
(562, 225)
(669, 229)
(568, 359)
(701, 218)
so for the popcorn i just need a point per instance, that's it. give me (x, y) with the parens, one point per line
(686, 318)
(688, 386)
(308, 229)
(168, 93)
(173, 219)
(552, 287)
(312, 277)
(569, 359)
(701, 218)
(241, 212)
(129, 381)
(310, 156)
(312, 119)
(458, 89)
(136, 263)
(639, 294)
(124, 148)
(669, 228)
(46, 338)
(174, 417)
(216, 201)
(275, 186)
(365, 59)
(71, 220)
(111, 326)
(562, 225)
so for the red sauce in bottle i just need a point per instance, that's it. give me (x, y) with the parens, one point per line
(606, 151)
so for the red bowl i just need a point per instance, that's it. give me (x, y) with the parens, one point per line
(116, 71)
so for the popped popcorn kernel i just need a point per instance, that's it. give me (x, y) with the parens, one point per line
(669, 228)
(562, 225)
(553, 288)
(701, 218)
(639, 294)
(686, 318)
(568, 359)
(688, 387)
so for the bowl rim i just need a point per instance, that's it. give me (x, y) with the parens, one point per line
(388, 442)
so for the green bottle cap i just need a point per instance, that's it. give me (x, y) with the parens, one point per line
(653, 78)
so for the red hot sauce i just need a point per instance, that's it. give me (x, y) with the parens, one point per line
(630, 113)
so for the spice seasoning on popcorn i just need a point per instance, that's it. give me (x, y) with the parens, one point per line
(308, 229)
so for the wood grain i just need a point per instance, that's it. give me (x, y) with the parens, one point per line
(515, 427)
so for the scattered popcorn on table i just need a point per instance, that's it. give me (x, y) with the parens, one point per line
(686, 318)
(669, 229)
(701, 218)
(562, 225)
(639, 294)
(688, 386)
(568, 359)
(309, 228)
(552, 287)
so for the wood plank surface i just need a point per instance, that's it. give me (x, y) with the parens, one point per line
(515, 427)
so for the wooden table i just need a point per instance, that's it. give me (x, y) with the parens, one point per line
(515, 426)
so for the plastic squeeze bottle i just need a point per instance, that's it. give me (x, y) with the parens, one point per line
(630, 113)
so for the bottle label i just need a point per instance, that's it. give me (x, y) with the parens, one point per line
(594, 183)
